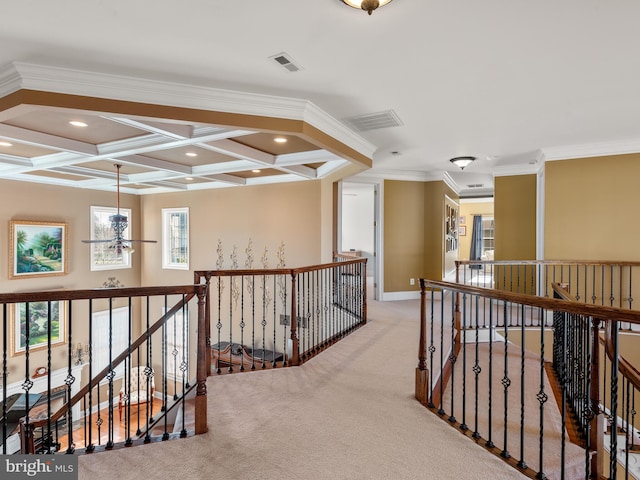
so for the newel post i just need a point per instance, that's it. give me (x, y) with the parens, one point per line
(422, 374)
(295, 354)
(198, 280)
(596, 427)
(201, 373)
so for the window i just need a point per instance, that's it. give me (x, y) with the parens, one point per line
(100, 337)
(103, 255)
(487, 234)
(175, 238)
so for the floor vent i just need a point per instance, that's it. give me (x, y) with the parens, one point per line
(372, 121)
(285, 61)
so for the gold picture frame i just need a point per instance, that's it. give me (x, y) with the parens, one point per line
(38, 326)
(37, 249)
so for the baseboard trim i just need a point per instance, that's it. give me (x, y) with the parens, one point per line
(390, 296)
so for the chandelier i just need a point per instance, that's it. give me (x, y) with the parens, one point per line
(367, 5)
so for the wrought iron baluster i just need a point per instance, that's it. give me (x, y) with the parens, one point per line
(476, 370)
(463, 425)
(521, 463)
(452, 357)
(489, 442)
(506, 381)
(542, 396)
(432, 350)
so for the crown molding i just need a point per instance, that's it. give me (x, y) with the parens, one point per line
(591, 150)
(30, 76)
(513, 170)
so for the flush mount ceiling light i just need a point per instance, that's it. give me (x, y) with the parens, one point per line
(367, 5)
(462, 161)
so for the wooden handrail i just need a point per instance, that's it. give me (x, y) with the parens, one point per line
(547, 262)
(597, 311)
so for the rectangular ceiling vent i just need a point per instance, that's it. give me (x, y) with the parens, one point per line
(372, 121)
(475, 185)
(285, 61)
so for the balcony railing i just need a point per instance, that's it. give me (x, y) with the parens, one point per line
(515, 371)
(89, 370)
(274, 318)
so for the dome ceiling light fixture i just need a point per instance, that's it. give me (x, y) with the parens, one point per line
(462, 161)
(367, 5)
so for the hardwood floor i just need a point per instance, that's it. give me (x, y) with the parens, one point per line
(97, 431)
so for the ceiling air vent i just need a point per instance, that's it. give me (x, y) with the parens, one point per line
(285, 61)
(372, 121)
(475, 185)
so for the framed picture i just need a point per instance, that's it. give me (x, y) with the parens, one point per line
(36, 327)
(462, 230)
(463, 220)
(37, 249)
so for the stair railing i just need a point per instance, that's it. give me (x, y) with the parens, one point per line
(486, 363)
(85, 345)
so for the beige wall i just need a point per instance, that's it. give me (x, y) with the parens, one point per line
(404, 217)
(30, 201)
(515, 217)
(590, 208)
(266, 214)
(414, 233)
(437, 262)
(468, 210)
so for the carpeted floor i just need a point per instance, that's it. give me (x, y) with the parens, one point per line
(349, 413)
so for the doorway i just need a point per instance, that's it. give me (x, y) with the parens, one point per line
(359, 227)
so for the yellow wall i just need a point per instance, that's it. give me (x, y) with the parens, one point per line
(515, 217)
(404, 217)
(266, 214)
(468, 210)
(590, 208)
(35, 202)
(414, 233)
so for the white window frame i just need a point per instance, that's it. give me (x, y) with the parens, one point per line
(125, 261)
(170, 237)
(100, 337)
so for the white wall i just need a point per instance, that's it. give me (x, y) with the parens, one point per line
(358, 215)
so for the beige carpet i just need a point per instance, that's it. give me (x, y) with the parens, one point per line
(349, 413)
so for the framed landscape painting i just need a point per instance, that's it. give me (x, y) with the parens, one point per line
(37, 329)
(37, 249)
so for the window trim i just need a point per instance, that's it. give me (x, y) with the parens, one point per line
(166, 254)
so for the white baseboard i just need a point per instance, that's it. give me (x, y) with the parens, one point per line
(390, 296)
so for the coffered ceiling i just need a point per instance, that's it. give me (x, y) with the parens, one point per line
(59, 137)
(511, 83)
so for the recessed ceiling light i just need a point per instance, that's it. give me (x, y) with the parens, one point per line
(77, 123)
(191, 154)
(280, 140)
(6, 144)
(256, 170)
(188, 178)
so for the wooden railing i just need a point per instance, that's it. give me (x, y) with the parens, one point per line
(485, 365)
(86, 345)
(606, 283)
(272, 318)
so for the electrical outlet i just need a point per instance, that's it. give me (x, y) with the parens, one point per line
(412, 281)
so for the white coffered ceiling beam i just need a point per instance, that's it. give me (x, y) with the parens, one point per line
(313, 156)
(172, 130)
(14, 160)
(45, 140)
(301, 170)
(154, 163)
(232, 179)
(174, 185)
(238, 150)
(223, 167)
